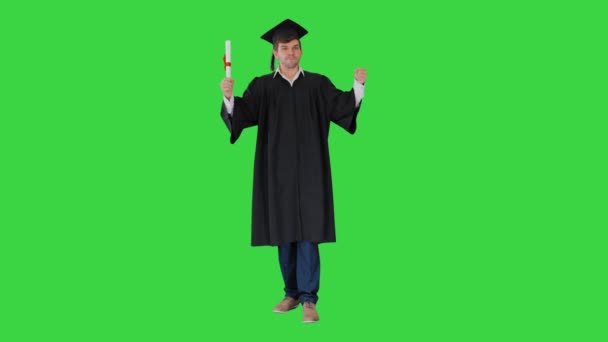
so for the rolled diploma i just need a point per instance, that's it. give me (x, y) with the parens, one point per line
(228, 66)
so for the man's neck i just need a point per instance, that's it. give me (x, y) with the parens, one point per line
(289, 73)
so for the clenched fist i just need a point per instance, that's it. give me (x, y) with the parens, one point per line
(361, 75)
(227, 85)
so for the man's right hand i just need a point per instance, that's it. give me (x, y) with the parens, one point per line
(227, 85)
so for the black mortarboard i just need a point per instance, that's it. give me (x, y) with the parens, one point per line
(285, 31)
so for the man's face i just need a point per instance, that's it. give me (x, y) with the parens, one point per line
(289, 53)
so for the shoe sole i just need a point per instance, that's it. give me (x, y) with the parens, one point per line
(277, 311)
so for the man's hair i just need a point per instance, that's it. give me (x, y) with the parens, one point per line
(275, 45)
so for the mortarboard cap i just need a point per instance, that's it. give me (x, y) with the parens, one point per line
(286, 30)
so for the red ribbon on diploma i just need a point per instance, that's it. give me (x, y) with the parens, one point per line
(226, 64)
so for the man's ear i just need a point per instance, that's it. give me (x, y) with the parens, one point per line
(275, 53)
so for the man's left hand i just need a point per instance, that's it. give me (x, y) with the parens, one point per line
(360, 75)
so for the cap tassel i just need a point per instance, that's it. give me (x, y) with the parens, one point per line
(272, 63)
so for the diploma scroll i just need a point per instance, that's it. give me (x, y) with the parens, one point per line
(227, 58)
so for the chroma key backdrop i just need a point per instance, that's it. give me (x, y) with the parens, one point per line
(470, 204)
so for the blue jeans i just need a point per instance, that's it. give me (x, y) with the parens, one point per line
(300, 266)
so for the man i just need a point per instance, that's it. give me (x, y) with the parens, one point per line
(292, 190)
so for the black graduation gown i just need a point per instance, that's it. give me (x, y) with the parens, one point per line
(292, 187)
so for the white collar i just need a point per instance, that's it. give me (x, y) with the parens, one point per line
(278, 71)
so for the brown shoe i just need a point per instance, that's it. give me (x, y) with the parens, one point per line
(310, 313)
(286, 304)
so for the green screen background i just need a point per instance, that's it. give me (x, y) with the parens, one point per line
(470, 204)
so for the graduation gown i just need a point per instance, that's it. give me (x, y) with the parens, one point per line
(292, 186)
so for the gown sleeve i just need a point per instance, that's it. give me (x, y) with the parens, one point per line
(340, 106)
(245, 112)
